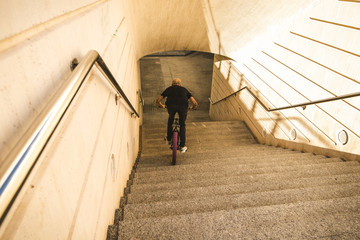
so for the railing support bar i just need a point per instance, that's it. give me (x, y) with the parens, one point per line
(100, 62)
(318, 101)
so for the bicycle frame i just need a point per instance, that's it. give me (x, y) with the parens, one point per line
(175, 139)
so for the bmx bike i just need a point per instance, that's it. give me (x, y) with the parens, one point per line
(175, 139)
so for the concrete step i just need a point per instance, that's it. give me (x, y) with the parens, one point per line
(185, 159)
(230, 202)
(330, 219)
(197, 125)
(240, 171)
(209, 133)
(228, 164)
(240, 148)
(210, 136)
(215, 154)
(245, 179)
(197, 145)
(197, 138)
(153, 133)
(200, 138)
(200, 127)
(165, 150)
(206, 134)
(198, 164)
(233, 189)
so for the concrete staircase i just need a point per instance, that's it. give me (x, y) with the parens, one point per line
(229, 187)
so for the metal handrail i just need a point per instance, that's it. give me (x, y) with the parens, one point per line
(18, 163)
(303, 105)
(141, 98)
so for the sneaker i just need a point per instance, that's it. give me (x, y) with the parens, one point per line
(183, 149)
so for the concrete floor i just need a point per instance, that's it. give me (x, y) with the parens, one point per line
(195, 71)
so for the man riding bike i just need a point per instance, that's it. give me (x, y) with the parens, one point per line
(177, 101)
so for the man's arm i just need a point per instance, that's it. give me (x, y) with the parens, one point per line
(194, 103)
(158, 102)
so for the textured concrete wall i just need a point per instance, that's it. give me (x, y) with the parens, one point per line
(79, 178)
(311, 55)
(162, 25)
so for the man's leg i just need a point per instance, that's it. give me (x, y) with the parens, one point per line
(171, 112)
(182, 119)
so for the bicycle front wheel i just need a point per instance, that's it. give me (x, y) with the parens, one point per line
(174, 149)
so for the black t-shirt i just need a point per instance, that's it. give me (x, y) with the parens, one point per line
(176, 95)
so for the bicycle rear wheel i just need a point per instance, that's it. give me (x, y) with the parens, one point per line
(174, 149)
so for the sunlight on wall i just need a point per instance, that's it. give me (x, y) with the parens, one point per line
(298, 60)
(266, 39)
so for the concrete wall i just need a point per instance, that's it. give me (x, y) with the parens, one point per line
(77, 183)
(310, 55)
(163, 25)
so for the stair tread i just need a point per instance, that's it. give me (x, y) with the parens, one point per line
(232, 189)
(215, 129)
(200, 124)
(251, 178)
(156, 148)
(241, 148)
(199, 140)
(157, 157)
(196, 165)
(229, 202)
(236, 171)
